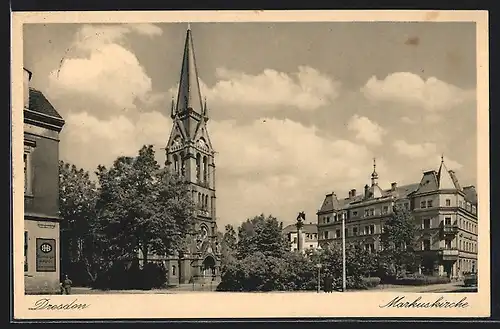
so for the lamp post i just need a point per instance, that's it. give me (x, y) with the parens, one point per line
(343, 254)
(319, 276)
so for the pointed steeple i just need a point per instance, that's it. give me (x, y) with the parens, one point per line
(189, 96)
(445, 181)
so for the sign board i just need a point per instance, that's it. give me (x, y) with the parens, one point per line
(46, 255)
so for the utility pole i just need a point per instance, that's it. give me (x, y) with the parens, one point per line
(343, 254)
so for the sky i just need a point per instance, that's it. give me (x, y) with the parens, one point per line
(297, 110)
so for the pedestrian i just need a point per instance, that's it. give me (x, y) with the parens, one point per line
(66, 284)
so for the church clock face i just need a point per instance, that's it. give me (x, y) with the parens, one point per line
(202, 143)
(177, 141)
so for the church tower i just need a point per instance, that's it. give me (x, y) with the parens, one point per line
(189, 152)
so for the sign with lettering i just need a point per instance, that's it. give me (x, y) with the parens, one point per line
(45, 255)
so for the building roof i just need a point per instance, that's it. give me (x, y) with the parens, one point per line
(40, 112)
(40, 104)
(470, 194)
(307, 228)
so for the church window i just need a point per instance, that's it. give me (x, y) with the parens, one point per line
(176, 163)
(205, 169)
(448, 202)
(198, 166)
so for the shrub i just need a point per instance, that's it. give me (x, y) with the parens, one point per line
(371, 282)
(422, 280)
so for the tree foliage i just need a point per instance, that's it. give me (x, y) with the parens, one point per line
(398, 241)
(77, 200)
(261, 234)
(142, 207)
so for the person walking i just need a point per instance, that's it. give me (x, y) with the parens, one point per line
(66, 284)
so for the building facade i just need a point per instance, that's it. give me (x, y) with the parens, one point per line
(42, 125)
(190, 153)
(445, 212)
(309, 236)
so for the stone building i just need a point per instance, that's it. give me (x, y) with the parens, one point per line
(309, 236)
(445, 212)
(42, 125)
(189, 152)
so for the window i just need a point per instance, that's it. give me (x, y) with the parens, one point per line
(198, 166)
(311, 246)
(354, 213)
(354, 231)
(447, 221)
(422, 204)
(27, 172)
(474, 210)
(365, 232)
(372, 229)
(295, 240)
(407, 205)
(346, 232)
(372, 212)
(325, 235)
(448, 202)
(370, 247)
(367, 212)
(385, 210)
(426, 244)
(334, 217)
(337, 233)
(173, 270)
(447, 244)
(25, 251)
(460, 244)
(429, 203)
(427, 223)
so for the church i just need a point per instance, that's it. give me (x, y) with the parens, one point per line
(190, 153)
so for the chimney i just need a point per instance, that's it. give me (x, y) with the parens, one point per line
(353, 192)
(366, 190)
(393, 186)
(350, 194)
(26, 90)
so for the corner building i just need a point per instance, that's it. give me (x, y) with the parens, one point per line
(42, 125)
(189, 152)
(445, 212)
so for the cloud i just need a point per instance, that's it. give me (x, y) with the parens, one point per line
(408, 120)
(410, 89)
(305, 89)
(105, 70)
(281, 167)
(366, 130)
(425, 154)
(87, 141)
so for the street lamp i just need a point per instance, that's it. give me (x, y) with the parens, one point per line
(343, 253)
(319, 276)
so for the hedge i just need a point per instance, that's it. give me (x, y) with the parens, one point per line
(422, 280)
(371, 282)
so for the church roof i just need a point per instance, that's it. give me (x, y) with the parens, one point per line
(189, 95)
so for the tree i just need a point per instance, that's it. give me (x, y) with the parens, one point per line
(77, 200)
(143, 208)
(398, 243)
(261, 234)
(228, 244)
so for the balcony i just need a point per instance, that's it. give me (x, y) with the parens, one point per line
(450, 229)
(448, 254)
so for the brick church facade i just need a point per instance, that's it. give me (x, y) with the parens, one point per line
(190, 153)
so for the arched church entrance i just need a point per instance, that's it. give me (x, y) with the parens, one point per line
(208, 267)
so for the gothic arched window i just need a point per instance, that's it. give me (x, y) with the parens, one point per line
(205, 169)
(176, 163)
(183, 165)
(198, 165)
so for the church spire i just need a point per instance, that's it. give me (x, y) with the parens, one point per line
(189, 96)
(374, 173)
